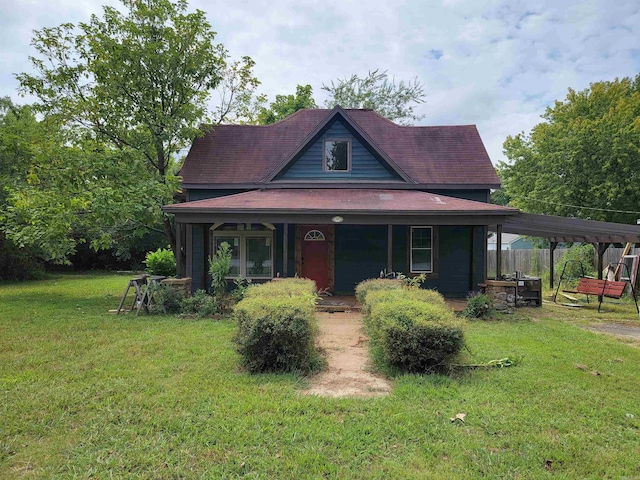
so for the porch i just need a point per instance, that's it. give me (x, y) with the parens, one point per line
(339, 237)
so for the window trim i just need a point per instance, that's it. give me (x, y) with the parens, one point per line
(315, 238)
(411, 269)
(243, 235)
(324, 154)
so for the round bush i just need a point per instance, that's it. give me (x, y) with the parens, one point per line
(161, 262)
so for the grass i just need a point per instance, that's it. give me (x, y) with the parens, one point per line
(87, 394)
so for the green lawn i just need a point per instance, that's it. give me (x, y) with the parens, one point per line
(87, 394)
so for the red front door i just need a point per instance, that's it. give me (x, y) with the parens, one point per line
(315, 254)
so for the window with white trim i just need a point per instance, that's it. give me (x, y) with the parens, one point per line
(251, 252)
(421, 250)
(314, 236)
(336, 155)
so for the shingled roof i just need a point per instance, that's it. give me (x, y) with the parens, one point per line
(252, 154)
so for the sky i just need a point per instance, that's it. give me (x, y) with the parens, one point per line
(495, 64)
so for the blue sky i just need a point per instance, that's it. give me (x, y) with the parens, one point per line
(496, 64)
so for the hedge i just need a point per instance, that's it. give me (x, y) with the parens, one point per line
(288, 287)
(419, 294)
(411, 329)
(375, 284)
(413, 335)
(277, 327)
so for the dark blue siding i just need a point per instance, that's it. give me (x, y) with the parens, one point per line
(454, 262)
(478, 257)
(364, 166)
(361, 252)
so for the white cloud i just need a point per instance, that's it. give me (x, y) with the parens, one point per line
(496, 64)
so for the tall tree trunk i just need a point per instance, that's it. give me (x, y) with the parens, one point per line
(169, 232)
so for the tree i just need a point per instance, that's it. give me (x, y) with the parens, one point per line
(134, 86)
(286, 105)
(59, 189)
(584, 160)
(376, 91)
(499, 197)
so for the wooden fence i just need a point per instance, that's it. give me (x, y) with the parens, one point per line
(536, 261)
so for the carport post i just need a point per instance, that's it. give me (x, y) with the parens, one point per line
(552, 248)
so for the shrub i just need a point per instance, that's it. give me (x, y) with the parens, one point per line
(479, 306)
(161, 262)
(169, 298)
(286, 287)
(200, 303)
(374, 284)
(415, 336)
(421, 295)
(584, 254)
(219, 267)
(277, 333)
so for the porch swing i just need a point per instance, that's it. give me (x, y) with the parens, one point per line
(594, 286)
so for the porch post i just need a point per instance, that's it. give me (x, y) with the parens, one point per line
(285, 249)
(498, 251)
(189, 252)
(389, 248)
(178, 253)
(552, 248)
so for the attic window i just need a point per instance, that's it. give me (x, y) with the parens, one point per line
(337, 155)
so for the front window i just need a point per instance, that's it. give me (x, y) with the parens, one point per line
(251, 251)
(258, 257)
(421, 250)
(234, 244)
(337, 155)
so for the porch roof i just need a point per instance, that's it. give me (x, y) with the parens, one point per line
(356, 205)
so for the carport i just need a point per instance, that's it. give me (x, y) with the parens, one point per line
(564, 229)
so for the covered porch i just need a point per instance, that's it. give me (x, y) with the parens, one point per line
(339, 237)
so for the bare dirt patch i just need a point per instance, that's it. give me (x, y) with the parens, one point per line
(627, 332)
(342, 336)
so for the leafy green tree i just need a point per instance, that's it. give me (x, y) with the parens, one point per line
(58, 189)
(584, 160)
(395, 101)
(285, 105)
(500, 197)
(134, 87)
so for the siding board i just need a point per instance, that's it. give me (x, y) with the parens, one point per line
(361, 252)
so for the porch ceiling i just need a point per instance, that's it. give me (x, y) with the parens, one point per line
(563, 229)
(353, 205)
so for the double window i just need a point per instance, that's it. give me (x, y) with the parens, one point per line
(337, 155)
(421, 248)
(251, 252)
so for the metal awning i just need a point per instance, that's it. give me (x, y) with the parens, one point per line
(564, 229)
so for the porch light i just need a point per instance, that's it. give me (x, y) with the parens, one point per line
(337, 219)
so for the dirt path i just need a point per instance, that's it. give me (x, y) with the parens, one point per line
(341, 335)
